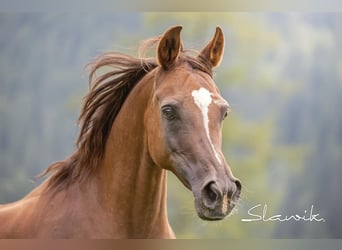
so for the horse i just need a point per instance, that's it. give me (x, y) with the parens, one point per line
(142, 117)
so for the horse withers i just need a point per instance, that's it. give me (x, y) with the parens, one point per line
(141, 117)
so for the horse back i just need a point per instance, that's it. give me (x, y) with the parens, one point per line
(17, 219)
(24, 218)
(43, 214)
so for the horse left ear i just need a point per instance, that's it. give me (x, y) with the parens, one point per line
(215, 48)
(169, 46)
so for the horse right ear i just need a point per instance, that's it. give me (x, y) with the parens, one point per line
(169, 46)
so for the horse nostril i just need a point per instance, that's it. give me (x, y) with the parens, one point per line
(235, 190)
(238, 189)
(211, 195)
(238, 185)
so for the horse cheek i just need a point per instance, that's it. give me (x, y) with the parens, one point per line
(155, 141)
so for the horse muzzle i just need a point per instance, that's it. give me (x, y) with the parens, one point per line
(216, 201)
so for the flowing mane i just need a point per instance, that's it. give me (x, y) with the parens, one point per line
(107, 93)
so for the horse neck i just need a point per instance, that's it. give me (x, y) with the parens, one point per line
(131, 186)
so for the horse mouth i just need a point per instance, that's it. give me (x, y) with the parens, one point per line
(216, 214)
(216, 218)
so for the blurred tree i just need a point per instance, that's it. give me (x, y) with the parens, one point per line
(313, 120)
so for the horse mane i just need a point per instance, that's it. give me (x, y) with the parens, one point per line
(107, 93)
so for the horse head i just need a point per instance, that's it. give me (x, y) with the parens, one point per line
(184, 124)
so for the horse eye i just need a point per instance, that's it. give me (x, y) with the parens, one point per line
(168, 112)
(226, 113)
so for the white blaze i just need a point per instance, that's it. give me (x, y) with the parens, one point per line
(202, 98)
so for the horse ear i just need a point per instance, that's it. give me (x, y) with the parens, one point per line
(169, 46)
(215, 48)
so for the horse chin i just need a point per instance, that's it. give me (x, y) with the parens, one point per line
(209, 214)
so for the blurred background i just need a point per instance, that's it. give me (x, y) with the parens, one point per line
(282, 74)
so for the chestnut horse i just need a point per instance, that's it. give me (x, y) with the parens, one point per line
(141, 118)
